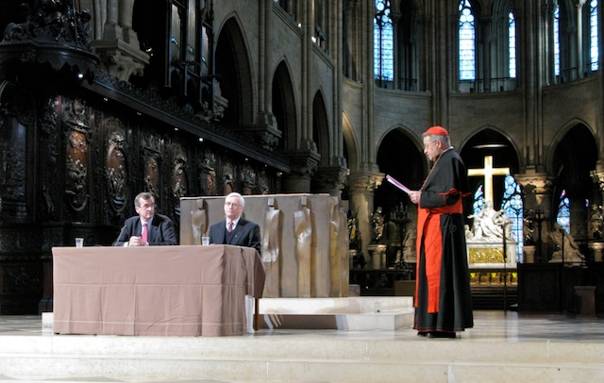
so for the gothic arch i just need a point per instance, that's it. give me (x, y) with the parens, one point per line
(505, 135)
(400, 156)
(571, 173)
(417, 141)
(561, 134)
(351, 146)
(490, 141)
(234, 73)
(320, 127)
(284, 105)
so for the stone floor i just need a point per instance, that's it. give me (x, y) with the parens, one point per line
(500, 348)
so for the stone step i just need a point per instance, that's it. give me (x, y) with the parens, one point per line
(413, 363)
(304, 346)
(347, 313)
(492, 353)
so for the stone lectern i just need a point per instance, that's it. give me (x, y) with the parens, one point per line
(306, 252)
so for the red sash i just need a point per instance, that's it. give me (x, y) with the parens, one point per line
(429, 231)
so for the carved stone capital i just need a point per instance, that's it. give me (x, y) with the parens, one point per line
(597, 177)
(536, 183)
(120, 58)
(265, 132)
(365, 181)
(304, 163)
(330, 179)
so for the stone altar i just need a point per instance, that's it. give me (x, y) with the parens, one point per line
(485, 240)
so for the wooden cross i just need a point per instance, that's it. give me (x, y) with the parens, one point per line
(488, 172)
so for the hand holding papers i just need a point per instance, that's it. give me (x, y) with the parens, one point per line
(414, 195)
(398, 184)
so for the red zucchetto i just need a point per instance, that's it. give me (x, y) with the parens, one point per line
(435, 131)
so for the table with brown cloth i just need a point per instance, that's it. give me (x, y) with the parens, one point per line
(156, 290)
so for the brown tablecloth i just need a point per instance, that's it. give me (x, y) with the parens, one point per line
(157, 290)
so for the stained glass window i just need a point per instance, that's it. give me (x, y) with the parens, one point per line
(512, 44)
(514, 209)
(467, 35)
(383, 43)
(478, 204)
(593, 34)
(563, 218)
(556, 40)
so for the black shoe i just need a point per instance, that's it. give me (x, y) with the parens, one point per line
(442, 334)
(423, 333)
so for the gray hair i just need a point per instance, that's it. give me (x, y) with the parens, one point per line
(144, 195)
(443, 139)
(241, 200)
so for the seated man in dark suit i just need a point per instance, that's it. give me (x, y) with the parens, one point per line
(147, 228)
(234, 230)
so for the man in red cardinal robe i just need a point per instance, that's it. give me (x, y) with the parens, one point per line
(443, 302)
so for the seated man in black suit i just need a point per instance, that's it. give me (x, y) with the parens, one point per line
(147, 228)
(234, 230)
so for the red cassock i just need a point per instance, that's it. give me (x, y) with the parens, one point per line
(443, 297)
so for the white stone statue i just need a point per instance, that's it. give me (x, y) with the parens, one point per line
(572, 254)
(488, 225)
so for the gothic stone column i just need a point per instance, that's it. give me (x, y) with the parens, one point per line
(330, 179)
(119, 48)
(362, 185)
(265, 130)
(303, 166)
(537, 188)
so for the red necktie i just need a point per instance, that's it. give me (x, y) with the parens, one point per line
(144, 233)
(230, 226)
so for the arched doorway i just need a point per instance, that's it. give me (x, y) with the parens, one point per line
(284, 107)
(489, 142)
(234, 74)
(399, 156)
(574, 157)
(490, 151)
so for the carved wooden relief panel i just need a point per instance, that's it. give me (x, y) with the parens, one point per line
(152, 145)
(179, 182)
(152, 175)
(248, 179)
(208, 173)
(76, 154)
(228, 177)
(13, 166)
(263, 183)
(49, 152)
(116, 167)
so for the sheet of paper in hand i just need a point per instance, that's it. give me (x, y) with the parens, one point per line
(397, 184)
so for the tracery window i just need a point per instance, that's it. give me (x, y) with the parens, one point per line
(466, 41)
(563, 217)
(383, 44)
(478, 204)
(556, 39)
(513, 207)
(593, 34)
(512, 45)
